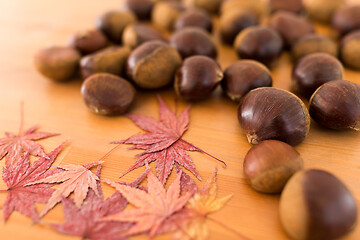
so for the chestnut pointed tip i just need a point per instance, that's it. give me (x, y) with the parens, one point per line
(252, 138)
(357, 126)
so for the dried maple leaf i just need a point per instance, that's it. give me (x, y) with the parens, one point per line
(15, 146)
(190, 222)
(163, 142)
(84, 222)
(21, 197)
(153, 206)
(76, 178)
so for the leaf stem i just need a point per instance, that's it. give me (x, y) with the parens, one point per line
(227, 228)
(202, 151)
(21, 117)
(109, 152)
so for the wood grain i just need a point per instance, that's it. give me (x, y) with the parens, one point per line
(27, 26)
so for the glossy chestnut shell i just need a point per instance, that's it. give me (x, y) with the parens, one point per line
(197, 78)
(336, 105)
(270, 164)
(107, 94)
(88, 41)
(271, 113)
(192, 41)
(346, 19)
(233, 22)
(259, 43)
(153, 64)
(194, 18)
(243, 76)
(290, 26)
(314, 70)
(136, 34)
(316, 205)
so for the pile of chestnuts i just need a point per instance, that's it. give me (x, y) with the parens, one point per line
(151, 44)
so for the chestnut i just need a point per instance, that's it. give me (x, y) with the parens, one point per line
(257, 7)
(322, 10)
(294, 6)
(350, 50)
(243, 76)
(314, 70)
(138, 33)
(193, 41)
(313, 43)
(270, 164)
(194, 18)
(165, 13)
(234, 21)
(57, 63)
(113, 23)
(109, 60)
(88, 41)
(259, 43)
(141, 8)
(107, 94)
(211, 6)
(197, 78)
(317, 205)
(346, 19)
(336, 105)
(271, 113)
(153, 64)
(290, 26)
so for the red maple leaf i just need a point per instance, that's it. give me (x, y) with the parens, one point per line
(163, 142)
(73, 178)
(84, 222)
(14, 146)
(153, 207)
(22, 197)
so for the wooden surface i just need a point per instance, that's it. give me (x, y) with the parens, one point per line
(27, 26)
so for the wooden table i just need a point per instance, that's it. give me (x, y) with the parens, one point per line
(27, 26)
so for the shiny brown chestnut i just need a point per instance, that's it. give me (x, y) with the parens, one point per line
(313, 43)
(322, 10)
(270, 164)
(336, 105)
(317, 205)
(138, 33)
(165, 13)
(197, 78)
(350, 50)
(57, 63)
(346, 19)
(113, 23)
(211, 6)
(192, 41)
(259, 43)
(109, 60)
(294, 6)
(290, 26)
(88, 41)
(257, 7)
(107, 94)
(194, 18)
(271, 113)
(243, 76)
(141, 8)
(153, 64)
(234, 21)
(314, 70)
